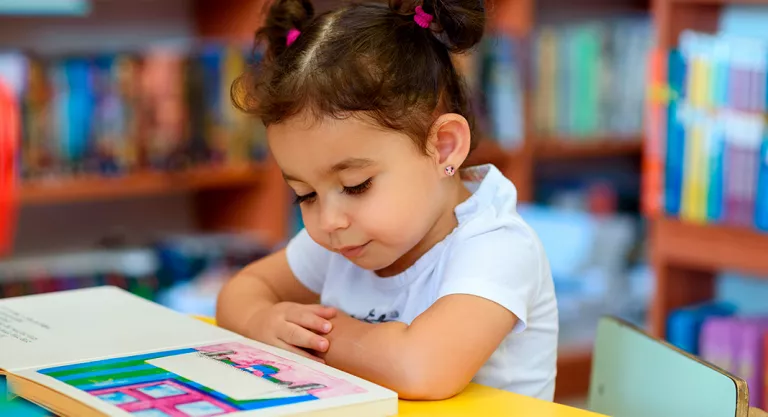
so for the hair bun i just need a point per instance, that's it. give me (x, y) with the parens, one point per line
(461, 22)
(283, 16)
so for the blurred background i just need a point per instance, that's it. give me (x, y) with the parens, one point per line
(633, 130)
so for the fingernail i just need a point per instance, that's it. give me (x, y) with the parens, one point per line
(327, 327)
(322, 345)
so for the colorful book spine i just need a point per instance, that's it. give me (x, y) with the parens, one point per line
(684, 324)
(116, 113)
(589, 79)
(656, 138)
(716, 147)
(716, 130)
(717, 343)
(750, 355)
(765, 371)
(761, 195)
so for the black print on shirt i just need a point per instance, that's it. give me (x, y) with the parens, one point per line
(374, 317)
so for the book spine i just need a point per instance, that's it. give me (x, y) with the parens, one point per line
(749, 359)
(676, 135)
(716, 342)
(692, 168)
(761, 194)
(655, 142)
(751, 170)
(716, 141)
(764, 371)
(565, 65)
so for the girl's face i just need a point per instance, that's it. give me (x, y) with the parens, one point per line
(367, 193)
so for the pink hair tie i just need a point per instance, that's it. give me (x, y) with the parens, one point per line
(292, 35)
(422, 18)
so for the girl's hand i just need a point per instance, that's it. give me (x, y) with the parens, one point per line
(294, 327)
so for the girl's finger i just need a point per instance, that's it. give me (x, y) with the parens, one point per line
(322, 311)
(298, 336)
(308, 319)
(301, 352)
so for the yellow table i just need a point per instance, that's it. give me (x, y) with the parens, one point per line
(479, 400)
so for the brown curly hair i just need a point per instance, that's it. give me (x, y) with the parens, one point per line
(366, 60)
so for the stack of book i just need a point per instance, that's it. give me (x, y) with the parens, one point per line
(144, 270)
(134, 270)
(708, 144)
(588, 78)
(736, 344)
(111, 114)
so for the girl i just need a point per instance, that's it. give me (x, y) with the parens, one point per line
(409, 273)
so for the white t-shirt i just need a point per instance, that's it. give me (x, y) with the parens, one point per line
(492, 253)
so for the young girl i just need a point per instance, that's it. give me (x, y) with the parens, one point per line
(410, 273)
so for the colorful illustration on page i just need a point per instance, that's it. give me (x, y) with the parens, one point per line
(204, 381)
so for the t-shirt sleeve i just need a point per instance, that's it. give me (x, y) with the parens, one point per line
(308, 261)
(503, 266)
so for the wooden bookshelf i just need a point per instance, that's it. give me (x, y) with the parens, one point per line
(90, 188)
(574, 365)
(587, 148)
(246, 198)
(687, 256)
(518, 164)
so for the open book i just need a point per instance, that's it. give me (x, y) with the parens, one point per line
(103, 351)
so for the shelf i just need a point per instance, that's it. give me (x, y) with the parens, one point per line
(710, 247)
(48, 191)
(720, 2)
(488, 151)
(576, 148)
(574, 366)
(687, 257)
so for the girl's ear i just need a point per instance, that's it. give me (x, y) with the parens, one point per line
(449, 139)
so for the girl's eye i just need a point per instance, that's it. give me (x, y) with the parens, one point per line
(306, 198)
(358, 189)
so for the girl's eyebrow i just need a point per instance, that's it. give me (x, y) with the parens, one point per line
(349, 163)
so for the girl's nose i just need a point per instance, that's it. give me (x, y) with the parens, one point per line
(332, 217)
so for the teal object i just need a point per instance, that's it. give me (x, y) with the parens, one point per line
(18, 407)
(635, 375)
(45, 7)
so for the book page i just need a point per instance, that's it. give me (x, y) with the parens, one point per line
(89, 324)
(241, 377)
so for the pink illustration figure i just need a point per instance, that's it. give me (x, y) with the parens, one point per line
(291, 375)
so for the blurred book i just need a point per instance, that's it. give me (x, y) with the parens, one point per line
(736, 344)
(716, 159)
(164, 108)
(494, 74)
(45, 7)
(194, 268)
(588, 78)
(202, 262)
(130, 269)
(684, 324)
(589, 257)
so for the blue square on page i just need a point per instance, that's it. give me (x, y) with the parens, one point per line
(117, 398)
(162, 391)
(199, 409)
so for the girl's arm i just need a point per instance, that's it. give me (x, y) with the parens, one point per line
(484, 293)
(433, 358)
(259, 285)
